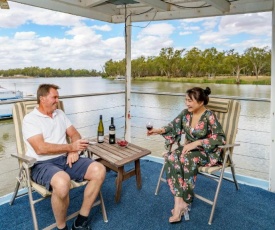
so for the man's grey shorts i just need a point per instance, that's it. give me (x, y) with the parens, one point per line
(43, 171)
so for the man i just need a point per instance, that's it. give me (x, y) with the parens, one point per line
(44, 131)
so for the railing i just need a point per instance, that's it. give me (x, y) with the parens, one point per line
(251, 158)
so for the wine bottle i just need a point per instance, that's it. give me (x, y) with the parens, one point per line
(112, 132)
(100, 131)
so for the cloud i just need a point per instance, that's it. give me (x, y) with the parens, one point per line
(260, 43)
(202, 23)
(150, 46)
(153, 37)
(213, 38)
(115, 43)
(24, 35)
(28, 37)
(236, 31)
(158, 29)
(82, 50)
(210, 23)
(84, 36)
(199, 25)
(255, 24)
(102, 28)
(20, 14)
(80, 47)
(185, 33)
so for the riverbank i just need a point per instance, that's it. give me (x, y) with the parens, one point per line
(16, 77)
(244, 80)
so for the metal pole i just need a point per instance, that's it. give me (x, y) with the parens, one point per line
(128, 35)
(272, 109)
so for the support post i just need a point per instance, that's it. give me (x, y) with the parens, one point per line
(272, 108)
(128, 35)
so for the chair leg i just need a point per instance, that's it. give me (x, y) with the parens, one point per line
(233, 172)
(218, 190)
(105, 218)
(16, 186)
(159, 180)
(34, 219)
(15, 192)
(24, 169)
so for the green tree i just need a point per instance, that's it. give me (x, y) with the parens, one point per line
(114, 68)
(152, 67)
(258, 57)
(235, 63)
(169, 61)
(193, 60)
(212, 60)
(139, 67)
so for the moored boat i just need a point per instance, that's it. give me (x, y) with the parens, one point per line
(6, 94)
(120, 78)
(5, 116)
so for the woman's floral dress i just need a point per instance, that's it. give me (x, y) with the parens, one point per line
(181, 169)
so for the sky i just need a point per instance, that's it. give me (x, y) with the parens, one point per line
(31, 36)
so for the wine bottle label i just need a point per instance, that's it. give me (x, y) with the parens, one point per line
(100, 138)
(112, 139)
(112, 132)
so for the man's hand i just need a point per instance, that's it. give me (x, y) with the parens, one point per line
(79, 145)
(71, 158)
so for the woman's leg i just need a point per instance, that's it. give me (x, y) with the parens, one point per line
(190, 162)
(181, 172)
(174, 175)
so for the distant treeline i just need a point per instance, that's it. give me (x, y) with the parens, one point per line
(48, 72)
(197, 63)
(173, 63)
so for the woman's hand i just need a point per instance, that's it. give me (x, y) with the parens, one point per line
(154, 132)
(191, 146)
(72, 158)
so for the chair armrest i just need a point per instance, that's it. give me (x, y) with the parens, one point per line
(228, 146)
(28, 160)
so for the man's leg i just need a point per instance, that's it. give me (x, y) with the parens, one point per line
(60, 183)
(95, 174)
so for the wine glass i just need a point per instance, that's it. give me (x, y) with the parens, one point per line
(149, 126)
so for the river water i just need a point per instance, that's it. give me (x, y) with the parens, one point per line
(254, 124)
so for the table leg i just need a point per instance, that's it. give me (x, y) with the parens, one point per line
(119, 180)
(138, 175)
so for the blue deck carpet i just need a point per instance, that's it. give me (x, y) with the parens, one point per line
(249, 208)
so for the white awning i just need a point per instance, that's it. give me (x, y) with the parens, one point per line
(113, 11)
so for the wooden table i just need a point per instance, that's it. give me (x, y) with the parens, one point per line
(115, 157)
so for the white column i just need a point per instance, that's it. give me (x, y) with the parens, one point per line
(272, 109)
(128, 36)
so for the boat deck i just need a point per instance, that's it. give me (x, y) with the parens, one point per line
(247, 208)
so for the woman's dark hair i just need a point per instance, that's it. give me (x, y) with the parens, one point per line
(199, 94)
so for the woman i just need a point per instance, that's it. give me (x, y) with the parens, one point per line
(203, 135)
